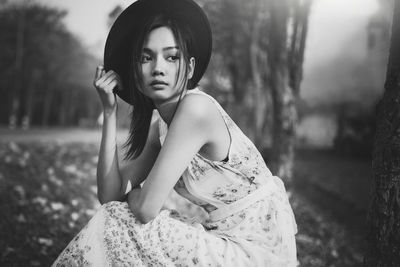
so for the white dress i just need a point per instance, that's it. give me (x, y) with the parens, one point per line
(250, 219)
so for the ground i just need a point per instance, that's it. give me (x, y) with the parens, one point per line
(48, 193)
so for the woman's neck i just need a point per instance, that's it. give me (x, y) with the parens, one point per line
(167, 109)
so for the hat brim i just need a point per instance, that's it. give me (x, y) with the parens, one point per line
(126, 28)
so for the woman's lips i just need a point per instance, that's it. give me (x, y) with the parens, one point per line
(158, 84)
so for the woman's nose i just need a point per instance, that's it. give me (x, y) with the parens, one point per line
(159, 67)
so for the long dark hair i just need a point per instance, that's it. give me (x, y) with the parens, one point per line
(143, 106)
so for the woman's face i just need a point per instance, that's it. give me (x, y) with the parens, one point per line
(160, 61)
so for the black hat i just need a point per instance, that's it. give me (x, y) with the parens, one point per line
(126, 28)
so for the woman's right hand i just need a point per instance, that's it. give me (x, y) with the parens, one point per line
(105, 83)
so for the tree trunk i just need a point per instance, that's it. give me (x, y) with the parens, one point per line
(62, 111)
(66, 108)
(26, 118)
(283, 99)
(384, 212)
(29, 101)
(298, 44)
(286, 65)
(48, 99)
(19, 53)
(284, 126)
(72, 109)
(259, 105)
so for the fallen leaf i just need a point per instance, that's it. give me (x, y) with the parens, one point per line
(7, 159)
(7, 251)
(26, 155)
(50, 171)
(14, 147)
(71, 169)
(20, 190)
(45, 241)
(21, 218)
(55, 180)
(44, 188)
(56, 206)
(74, 216)
(74, 202)
(40, 200)
(22, 162)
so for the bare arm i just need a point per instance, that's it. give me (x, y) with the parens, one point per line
(114, 179)
(111, 180)
(190, 129)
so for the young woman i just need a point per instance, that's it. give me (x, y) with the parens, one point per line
(156, 53)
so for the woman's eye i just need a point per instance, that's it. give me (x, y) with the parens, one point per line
(173, 58)
(145, 58)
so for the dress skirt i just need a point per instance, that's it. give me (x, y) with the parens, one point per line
(261, 233)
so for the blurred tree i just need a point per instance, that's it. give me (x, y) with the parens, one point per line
(285, 59)
(239, 62)
(259, 47)
(52, 70)
(229, 73)
(384, 213)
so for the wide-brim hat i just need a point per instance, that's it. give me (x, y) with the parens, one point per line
(127, 27)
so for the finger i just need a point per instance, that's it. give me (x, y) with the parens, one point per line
(117, 78)
(110, 80)
(99, 81)
(117, 81)
(110, 87)
(105, 88)
(110, 75)
(104, 80)
(99, 72)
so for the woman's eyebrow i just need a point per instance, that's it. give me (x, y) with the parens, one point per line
(170, 48)
(148, 50)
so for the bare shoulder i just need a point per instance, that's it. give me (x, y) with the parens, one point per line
(198, 107)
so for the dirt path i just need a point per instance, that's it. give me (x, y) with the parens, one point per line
(58, 135)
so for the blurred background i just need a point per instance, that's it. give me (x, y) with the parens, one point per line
(301, 78)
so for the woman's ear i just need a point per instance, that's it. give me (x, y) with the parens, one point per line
(192, 63)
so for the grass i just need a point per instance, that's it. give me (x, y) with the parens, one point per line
(48, 193)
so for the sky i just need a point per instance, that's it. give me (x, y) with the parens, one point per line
(333, 24)
(336, 45)
(88, 19)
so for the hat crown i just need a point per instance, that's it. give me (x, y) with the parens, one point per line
(126, 29)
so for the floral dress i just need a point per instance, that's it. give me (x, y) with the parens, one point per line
(250, 220)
